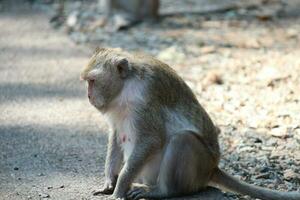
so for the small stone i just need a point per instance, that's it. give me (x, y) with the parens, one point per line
(292, 33)
(257, 140)
(265, 170)
(279, 132)
(72, 19)
(297, 134)
(97, 24)
(213, 77)
(208, 49)
(289, 174)
(41, 174)
(263, 176)
(44, 195)
(16, 168)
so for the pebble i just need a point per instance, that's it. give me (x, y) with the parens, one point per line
(44, 195)
(290, 174)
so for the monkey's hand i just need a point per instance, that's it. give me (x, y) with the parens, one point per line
(107, 189)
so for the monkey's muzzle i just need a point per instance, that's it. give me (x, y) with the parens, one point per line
(90, 88)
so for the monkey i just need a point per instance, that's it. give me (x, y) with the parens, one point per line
(160, 136)
(126, 13)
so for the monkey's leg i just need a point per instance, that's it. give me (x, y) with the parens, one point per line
(139, 156)
(185, 169)
(149, 173)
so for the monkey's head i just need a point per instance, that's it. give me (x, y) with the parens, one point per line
(105, 75)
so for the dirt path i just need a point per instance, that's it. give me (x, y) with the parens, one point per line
(50, 144)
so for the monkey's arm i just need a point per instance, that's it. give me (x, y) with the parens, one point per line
(113, 164)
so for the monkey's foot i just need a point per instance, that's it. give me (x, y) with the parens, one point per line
(143, 193)
(105, 190)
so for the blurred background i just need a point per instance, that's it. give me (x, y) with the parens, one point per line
(240, 57)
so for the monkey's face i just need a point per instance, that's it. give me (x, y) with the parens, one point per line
(105, 79)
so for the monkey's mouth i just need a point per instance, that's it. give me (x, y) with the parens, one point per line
(90, 89)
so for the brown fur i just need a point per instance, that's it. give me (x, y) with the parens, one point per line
(164, 137)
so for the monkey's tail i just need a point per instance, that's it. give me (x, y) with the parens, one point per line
(227, 181)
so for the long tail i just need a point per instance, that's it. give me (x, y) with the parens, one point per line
(227, 181)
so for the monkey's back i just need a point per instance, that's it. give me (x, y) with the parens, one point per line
(168, 90)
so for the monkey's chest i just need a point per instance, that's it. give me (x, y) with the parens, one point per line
(126, 137)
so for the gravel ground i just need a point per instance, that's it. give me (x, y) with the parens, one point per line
(243, 65)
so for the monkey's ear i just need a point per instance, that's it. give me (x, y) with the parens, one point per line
(123, 67)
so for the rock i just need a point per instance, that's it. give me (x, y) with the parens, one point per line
(72, 19)
(265, 169)
(280, 132)
(269, 73)
(292, 33)
(257, 140)
(289, 174)
(297, 134)
(265, 15)
(41, 174)
(44, 195)
(207, 49)
(278, 154)
(263, 176)
(213, 77)
(97, 24)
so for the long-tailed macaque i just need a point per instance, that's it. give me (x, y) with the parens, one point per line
(125, 13)
(160, 135)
